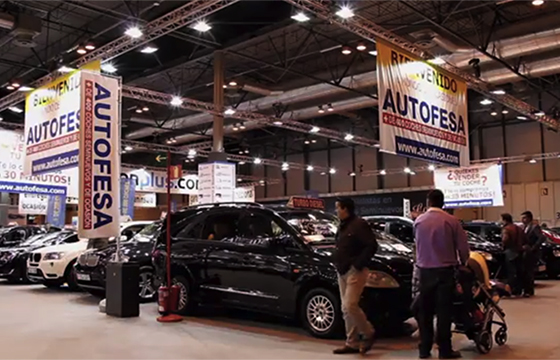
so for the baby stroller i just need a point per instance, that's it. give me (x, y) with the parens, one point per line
(476, 305)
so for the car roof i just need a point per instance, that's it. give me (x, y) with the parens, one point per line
(481, 223)
(133, 223)
(387, 217)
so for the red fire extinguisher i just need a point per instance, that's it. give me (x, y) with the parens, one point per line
(168, 300)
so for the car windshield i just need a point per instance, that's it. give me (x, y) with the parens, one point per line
(472, 237)
(148, 233)
(390, 243)
(315, 226)
(32, 239)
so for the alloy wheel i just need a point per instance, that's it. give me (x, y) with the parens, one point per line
(183, 294)
(320, 313)
(147, 290)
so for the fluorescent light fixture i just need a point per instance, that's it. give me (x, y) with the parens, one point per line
(521, 117)
(431, 167)
(532, 161)
(128, 148)
(25, 88)
(345, 12)
(383, 172)
(257, 161)
(348, 137)
(537, 2)
(15, 109)
(176, 101)
(486, 102)
(407, 170)
(229, 111)
(202, 26)
(373, 52)
(361, 47)
(148, 49)
(437, 61)
(134, 32)
(314, 129)
(65, 69)
(309, 168)
(300, 17)
(499, 92)
(108, 68)
(332, 171)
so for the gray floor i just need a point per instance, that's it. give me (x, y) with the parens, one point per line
(37, 323)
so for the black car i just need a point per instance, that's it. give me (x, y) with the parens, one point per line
(549, 262)
(90, 267)
(13, 261)
(13, 235)
(247, 256)
(402, 228)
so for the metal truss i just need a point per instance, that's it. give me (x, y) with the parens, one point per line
(166, 24)
(163, 148)
(371, 31)
(201, 106)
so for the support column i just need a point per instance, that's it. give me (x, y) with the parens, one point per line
(217, 153)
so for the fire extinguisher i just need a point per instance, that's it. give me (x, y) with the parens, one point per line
(168, 300)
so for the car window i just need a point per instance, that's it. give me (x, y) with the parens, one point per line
(134, 229)
(402, 231)
(474, 229)
(217, 226)
(256, 225)
(379, 225)
(18, 235)
(72, 239)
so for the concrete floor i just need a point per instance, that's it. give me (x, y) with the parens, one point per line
(38, 323)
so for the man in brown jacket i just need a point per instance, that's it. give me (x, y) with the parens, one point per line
(512, 241)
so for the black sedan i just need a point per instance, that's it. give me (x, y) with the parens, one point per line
(13, 261)
(247, 256)
(90, 267)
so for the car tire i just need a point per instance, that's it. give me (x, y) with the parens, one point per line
(70, 277)
(148, 290)
(320, 313)
(184, 304)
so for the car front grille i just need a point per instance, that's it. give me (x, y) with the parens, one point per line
(88, 259)
(36, 257)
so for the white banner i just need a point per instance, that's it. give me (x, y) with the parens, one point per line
(99, 208)
(156, 181)
(406, 208)
(244, 194)
(473, 186)
(32, 204)
(146, 200)
(217, 182)
(423, 111)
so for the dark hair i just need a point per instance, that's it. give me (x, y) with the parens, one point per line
(436, 198)
(347, 203)
(528, 214)
(507, 218)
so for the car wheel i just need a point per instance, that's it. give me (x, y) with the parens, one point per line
(184, 304)
(320, 313)
(70, 277)
(147, 288)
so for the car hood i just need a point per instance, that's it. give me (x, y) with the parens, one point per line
(73, 247)
(485, 246)
(129, 248)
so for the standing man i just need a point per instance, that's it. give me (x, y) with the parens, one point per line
(531, 248)
(512, 242)
(441, 245)
(355, 246)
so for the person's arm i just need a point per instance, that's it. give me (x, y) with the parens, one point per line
(369, 245)
(539, 238)
(462, 243)
(506, 238)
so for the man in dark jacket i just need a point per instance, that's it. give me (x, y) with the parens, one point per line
(355, 246)
(534, 239)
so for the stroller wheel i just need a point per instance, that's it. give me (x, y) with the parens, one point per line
(484, 342)
(501, 336)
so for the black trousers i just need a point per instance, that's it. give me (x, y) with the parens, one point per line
(437, 289)
(529, 264)
(515, 274)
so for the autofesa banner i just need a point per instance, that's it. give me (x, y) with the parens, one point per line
(99, 207)
(473, 186)
(422, 110)
(156, 181)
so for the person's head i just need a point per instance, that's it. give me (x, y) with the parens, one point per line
(344, 208)
(544, 226)
(506, 219)
(436, 199)
(527, 218)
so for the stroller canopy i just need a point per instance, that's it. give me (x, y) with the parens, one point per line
(477, 264)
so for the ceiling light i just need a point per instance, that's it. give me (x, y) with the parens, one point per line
(90, 46)
(285, 166)
(148, 49)
(15, 109)
(65, 69)
(261, 182)
(139, 111)
(323, 173)
(539, 113)
(314, 129)
(532, 161)
(437, 61)
(494, 113)
(431, 167)
(306, 142)
(242, 126)
(233, 83)
(229, 111)
(377, 145)
(241, 163)
(412, 173)
(330, 108)
(1, 118)
(321, 110)
(15, 84)
(108, 68)
(383, 172)
(235, 127)
(202, 26)
(176, 101)
(373, 52)
(10, 87)
(128, 148)
(134, 32)
(486, 102)
(313, 141)
(521, 117)
(498, 92)
(238, 179)
(25, 88)
(332, 171)
(407, 170)
(348, 137)
(241, 151)
(537, 2)
(300, 17)
(505, 111)
(352, 173)
(81, 50)
(277, 122)
(346, 50)
(361, 47)
(246, 151)
(257, 161)
(309, 168)
(345, 12)
(192, 152)
(145, 108)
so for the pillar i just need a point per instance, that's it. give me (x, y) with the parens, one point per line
(218, 126)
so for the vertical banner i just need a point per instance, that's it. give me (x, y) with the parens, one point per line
(422, 110)
(99, 207)
(56, 210)
(176, 172)
(128, 195)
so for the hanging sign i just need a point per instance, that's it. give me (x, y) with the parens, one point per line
(145, 200)
(306, 203)
(244, 194)
(473, 186)
(422, 110)
(217, 182)
(156, 181)
(176, 172)
(99, 208)
(406, 208)
(127, 197)
(56, 210)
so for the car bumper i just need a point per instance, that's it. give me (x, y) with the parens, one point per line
(92, 278)
(46, 270)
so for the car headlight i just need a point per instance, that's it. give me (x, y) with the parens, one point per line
(487, 256)
(556, 252)
(53, 256)
(381, 280)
